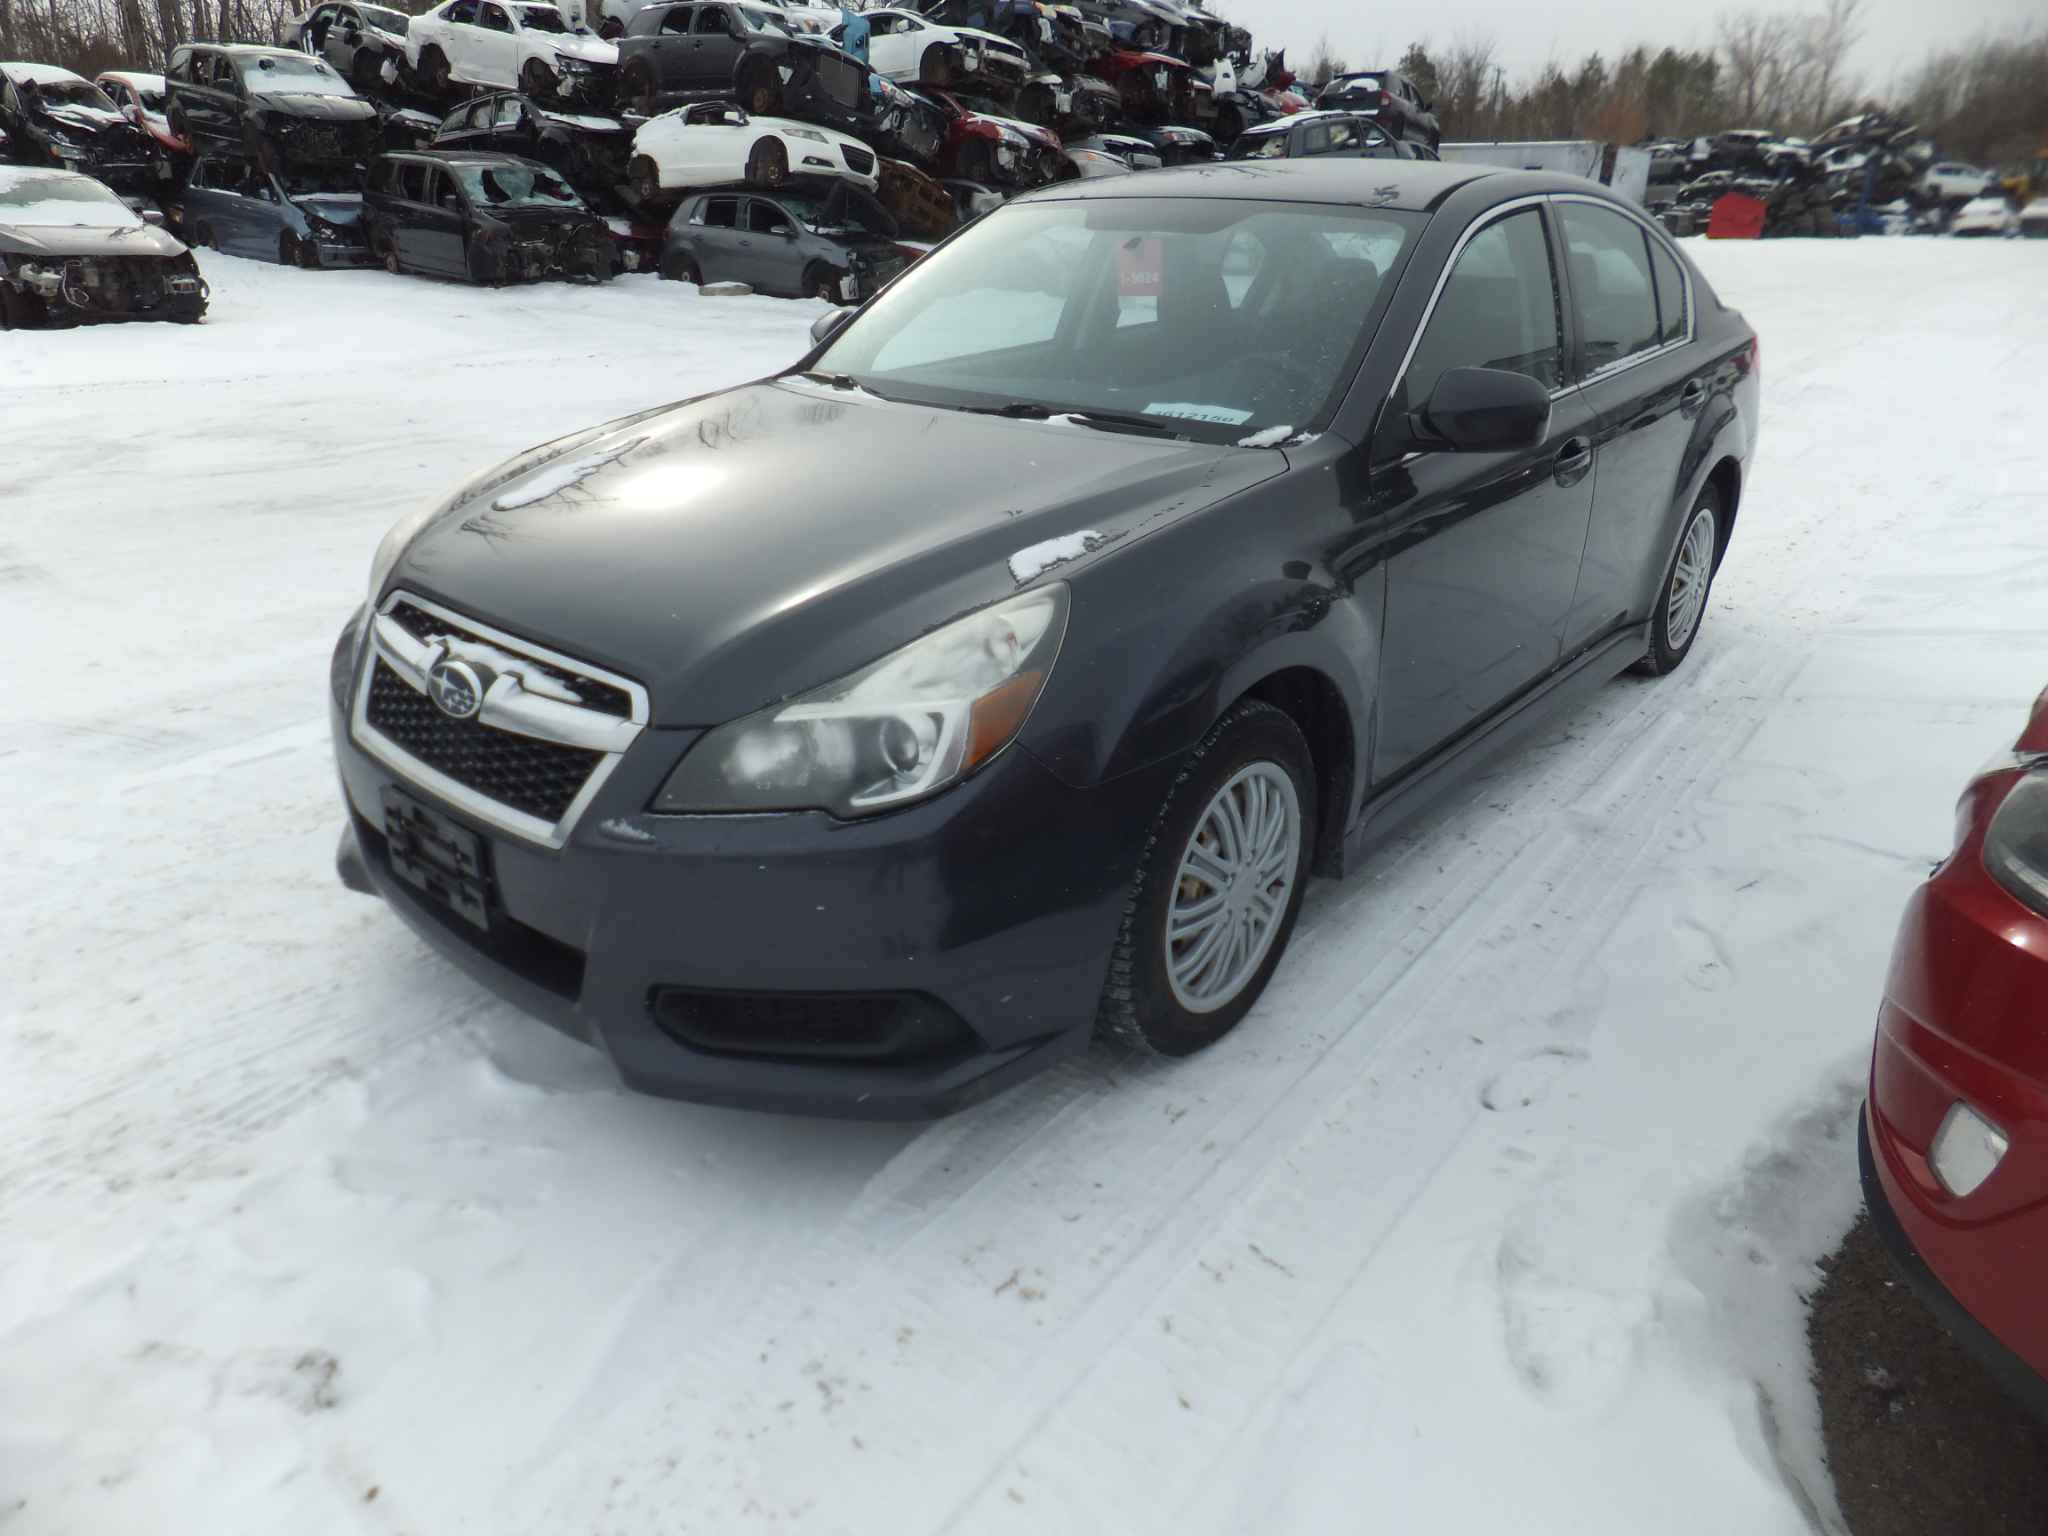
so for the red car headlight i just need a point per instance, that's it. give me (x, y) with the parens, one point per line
(2016, 842)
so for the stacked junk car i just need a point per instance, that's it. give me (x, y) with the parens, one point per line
(785, 145)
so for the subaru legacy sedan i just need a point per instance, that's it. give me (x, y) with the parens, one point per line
(865, 738)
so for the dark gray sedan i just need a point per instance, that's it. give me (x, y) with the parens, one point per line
(237, 209)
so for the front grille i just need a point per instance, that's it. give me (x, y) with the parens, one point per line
(588, 691)
(537, 778)
(878, 1029)
(858, 160)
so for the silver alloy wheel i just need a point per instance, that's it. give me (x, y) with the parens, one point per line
(1689, 578)
(1231, 891)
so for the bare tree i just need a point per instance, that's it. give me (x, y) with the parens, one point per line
(1829, 38)
(1756, 49)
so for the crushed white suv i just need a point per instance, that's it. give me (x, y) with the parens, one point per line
(713, 143)
(510, 45)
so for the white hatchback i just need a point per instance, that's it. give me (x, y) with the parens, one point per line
(712, 143)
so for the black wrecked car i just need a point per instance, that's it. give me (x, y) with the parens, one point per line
(275, 106)
(51, 118)
(482, 217)
(1346, 135)
(73, 253)
(1391, 98)
(865, 738)
(678, 51)
(838, 246)
(590, 153)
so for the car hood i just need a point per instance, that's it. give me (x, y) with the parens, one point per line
(326, 109)
(66, 240)
(341, 208)
(736, 549)
(93, 120)
(592, 50)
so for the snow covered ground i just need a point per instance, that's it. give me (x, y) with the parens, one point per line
(1492, 1216)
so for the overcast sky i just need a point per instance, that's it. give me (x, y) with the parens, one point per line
(1896, 33)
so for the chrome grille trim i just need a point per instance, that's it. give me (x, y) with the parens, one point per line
(508, 705)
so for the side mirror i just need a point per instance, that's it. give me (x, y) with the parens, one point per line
(823, 328)
(1483, 410)
(788, 231)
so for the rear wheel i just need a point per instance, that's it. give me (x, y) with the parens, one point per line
(1218, 887)
(768, 164)
(1682, 601)
(678, 266)
(646, 176)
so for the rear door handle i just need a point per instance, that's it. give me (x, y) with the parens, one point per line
(1573, 460)
(1693, 393)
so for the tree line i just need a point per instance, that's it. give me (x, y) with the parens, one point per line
(1788, 72)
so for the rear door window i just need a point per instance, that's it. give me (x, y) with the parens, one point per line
(722, 212)
(1612, 290)
(1673, 306)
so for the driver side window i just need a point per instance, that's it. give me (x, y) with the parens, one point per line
(1499, 310)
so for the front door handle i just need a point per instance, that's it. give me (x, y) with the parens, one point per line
(1573, 460)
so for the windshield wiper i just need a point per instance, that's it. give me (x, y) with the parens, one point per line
(1107, 421)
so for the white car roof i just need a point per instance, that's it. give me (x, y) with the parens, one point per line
(38, 74)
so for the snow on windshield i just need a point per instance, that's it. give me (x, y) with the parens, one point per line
(62, 200)
(290, 74)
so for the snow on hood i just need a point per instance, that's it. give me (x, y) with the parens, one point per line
(1031, 563)
(95, 119)
(578, 120)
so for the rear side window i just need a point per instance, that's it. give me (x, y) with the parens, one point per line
(412, 182)
(1612, 290)
(1673, 308)
(722, 212)
(1499, 310)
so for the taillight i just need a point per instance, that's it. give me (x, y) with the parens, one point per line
(1386, 98)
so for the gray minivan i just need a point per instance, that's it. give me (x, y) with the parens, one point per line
(235, 207)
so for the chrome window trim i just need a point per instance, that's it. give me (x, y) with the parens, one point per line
(543, 724)
(1479, 226)
(1692, 313)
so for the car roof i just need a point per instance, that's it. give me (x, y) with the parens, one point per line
(1413, 185)
(36, 74)
(460, 156)
(252, 50)
(1315, 115)
(135, 77)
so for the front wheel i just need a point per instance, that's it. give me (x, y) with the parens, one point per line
(822, 283)
(434, 65)
(1682, 600)
(537, 80)
(1218, 887)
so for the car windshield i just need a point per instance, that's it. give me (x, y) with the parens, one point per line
(1260, 146)
(152, 101)
(62, 200)
(73, 93)
(1216, 319)
(515, 186)
(765, 21)
(290, 74)
(541, 18)
(394, 22)
(1355, 83)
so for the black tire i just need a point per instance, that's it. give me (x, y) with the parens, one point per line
(762, 91)
(202, 237)
(679, 267)
(1230, 125)
(768, 164)
(637, 86)
(646, 179)
(434, 71)
(935, 69)
(8, 321)
(1140, 1007)
(388, 253)
(1035, 105)
(288, 253)
(537, 80)
(1666, 649)
(976, 163)
(366, 72)
(821, 283)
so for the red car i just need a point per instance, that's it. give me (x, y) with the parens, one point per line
(996, 151)
(1954, 1139)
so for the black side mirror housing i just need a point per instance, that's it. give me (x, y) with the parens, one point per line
(823, 327)
(1483, 410)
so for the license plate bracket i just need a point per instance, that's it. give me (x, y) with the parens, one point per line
(444, 861)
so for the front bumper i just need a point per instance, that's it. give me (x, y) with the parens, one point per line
(1962, 1021)
(997, 900)
(340, 254)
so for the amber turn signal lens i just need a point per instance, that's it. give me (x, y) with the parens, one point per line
(999, 715)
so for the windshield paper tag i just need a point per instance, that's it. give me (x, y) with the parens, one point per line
(1222, 415)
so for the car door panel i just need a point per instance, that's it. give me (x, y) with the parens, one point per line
(1483, 550)
(1645, 403)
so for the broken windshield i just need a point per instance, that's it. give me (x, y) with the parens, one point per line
(514, 186)
(73, 93)
(290, 74)
(63, 200)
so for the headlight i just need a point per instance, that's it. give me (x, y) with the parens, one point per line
(569, 66)
(906, 727)
(804, 133)
(2016, 842)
